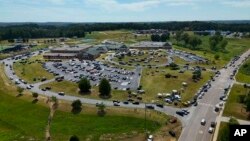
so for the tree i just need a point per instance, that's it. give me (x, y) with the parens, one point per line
(247, 103)
(84, 85)
(194, 41)
(233, 121)
(178, 36)
(216, 57)
(35, 95)
(101, 109)
(196, 74)
(20, 90)
(213, 44)
(105, 88)
(223, 44)
(185, 38)
(165, 37)
(155, 38)
(76, 106)
(74, 138)
(174, 66)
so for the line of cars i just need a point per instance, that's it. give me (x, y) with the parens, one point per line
(212, 125)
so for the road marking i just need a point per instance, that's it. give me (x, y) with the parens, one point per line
(205, 104)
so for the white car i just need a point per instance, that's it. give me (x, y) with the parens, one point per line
(150, 138)
(203, 121)
(211, 130)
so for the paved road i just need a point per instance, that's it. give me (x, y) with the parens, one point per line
(193, 130)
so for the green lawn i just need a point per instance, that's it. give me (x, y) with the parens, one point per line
(223, 129)
(244, 73)
(20, 120)
(87, 126)
(234, 47)
(33, 70)
(72, 89)
(125, 36)
(233, 106)
(157, 83)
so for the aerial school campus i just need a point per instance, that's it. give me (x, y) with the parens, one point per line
(129, 81)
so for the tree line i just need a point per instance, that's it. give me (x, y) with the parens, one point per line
(70, 30)
(186, 40)
(36, 31)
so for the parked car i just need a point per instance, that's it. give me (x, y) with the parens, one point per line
(150, 107)
(211, 130)
(61, 93)
(180, 113)
(203, 121)
(172, 133)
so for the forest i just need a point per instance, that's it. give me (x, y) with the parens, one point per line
(33, 30)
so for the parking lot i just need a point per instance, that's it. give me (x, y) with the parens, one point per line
(187, 56)
(74, 70)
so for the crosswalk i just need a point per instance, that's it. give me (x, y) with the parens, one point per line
(205, 104)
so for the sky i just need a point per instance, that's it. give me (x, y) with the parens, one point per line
(122, 10)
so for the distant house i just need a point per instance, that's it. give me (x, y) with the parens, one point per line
(147, 45)
(73, 49)
(118, 48)
(55, 56)
(66, 52)
(114, 46)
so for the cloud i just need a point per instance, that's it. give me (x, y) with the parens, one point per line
(237, 3)
(139, 5)
(115, 5)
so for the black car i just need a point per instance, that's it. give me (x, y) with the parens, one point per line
(186, 112)
(172, 133)
(150, 107)
(136, 103)
(160, 105)
(180, 113)
(125, 102)
(213, 124)
(195, 104)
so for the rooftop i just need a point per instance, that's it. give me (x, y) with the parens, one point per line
(75, 48)
(150, 44)
(60, 54)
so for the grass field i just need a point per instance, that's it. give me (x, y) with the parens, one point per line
(118, 35)
(30, 71)
(157, 83)
(224, 128)
(20, 120)
(72, 89)
(243, 74)
(234, 47)
(233, 106)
